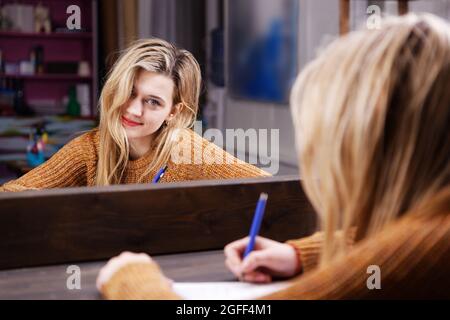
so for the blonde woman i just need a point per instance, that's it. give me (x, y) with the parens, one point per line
(147, 107)
(372, 118)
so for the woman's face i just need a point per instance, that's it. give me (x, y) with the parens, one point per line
(150, 104)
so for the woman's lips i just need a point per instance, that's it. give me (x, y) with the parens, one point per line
(129, 122)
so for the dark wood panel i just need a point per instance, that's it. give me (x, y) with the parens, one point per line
(83, 224)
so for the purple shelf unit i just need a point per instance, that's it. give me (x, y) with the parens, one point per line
(58, 47)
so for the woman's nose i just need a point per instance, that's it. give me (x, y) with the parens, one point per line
(135, 107)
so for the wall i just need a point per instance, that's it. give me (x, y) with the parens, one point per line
(319, 23)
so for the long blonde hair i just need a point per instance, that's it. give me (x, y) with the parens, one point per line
(153, 55)
(372, 119)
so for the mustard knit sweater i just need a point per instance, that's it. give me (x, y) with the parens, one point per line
(75, 165)
(413, 255)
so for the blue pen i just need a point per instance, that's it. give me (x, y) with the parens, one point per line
(256, 224)
(160, 174)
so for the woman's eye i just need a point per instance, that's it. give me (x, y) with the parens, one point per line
(153, 102)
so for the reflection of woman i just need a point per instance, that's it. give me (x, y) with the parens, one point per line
(373, 116)
(146, 107)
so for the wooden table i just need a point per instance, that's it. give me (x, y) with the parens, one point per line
(50, 282)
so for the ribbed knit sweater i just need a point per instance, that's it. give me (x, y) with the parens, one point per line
(412, 253)
(75, 165)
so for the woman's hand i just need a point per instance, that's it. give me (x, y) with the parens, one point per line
(115, 263)
(268, 259)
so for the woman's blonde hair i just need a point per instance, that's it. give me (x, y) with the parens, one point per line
(153, 55)
(372, 119)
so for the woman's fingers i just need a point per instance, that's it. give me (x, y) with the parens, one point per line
(257, 259)
(233, 255)
(256, 277)
(234, 267)
(260, 256)
(235, 249)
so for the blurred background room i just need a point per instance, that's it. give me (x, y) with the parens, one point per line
(55, 55)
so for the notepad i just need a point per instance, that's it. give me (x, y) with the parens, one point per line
(226, 290)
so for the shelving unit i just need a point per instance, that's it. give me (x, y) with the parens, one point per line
(65, 46)
(53, 35)
(43, 76)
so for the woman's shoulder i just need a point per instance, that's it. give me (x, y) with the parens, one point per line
(199, 146)
(195, 149)
(88, 137)
(85, 142)
(187, 135)
(196, 141)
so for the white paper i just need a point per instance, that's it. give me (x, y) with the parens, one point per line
(232, 290)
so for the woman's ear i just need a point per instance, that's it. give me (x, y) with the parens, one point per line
(175, 110)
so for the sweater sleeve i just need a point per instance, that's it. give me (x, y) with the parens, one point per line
(412, 259)
(66, 168)
(138, 281)
(309, 248)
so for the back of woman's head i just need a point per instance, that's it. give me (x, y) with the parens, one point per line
(372, 118)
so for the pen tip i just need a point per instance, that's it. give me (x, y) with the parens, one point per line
(263, 196)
